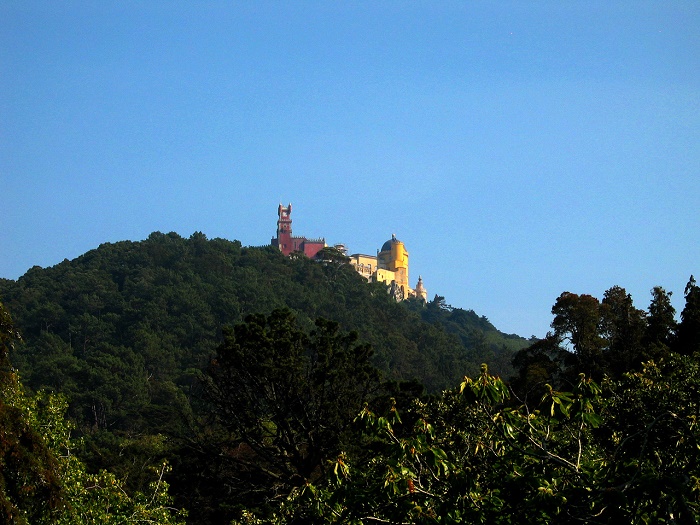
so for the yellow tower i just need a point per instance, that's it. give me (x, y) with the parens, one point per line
(394, 258)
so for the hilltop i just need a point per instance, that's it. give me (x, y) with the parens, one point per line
(166, 299)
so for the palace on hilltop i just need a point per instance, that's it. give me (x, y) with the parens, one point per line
(389, 266)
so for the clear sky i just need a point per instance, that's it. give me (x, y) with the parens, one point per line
(519, 149)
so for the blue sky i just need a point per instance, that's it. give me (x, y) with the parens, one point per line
(519, 149)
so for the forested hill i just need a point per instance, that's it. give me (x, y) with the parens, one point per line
(158, 307)
(126, 332)
(213, 364)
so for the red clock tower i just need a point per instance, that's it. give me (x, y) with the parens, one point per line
(288, 244)
(284, 229)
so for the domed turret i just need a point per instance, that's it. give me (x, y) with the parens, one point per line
(386, 247)
(394, 258)
(390, 266)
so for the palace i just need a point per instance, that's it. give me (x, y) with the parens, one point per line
(389, 266)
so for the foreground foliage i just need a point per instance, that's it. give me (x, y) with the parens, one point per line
(472, 456)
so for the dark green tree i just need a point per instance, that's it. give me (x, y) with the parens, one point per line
(577, 323)
(688, 340)
(661, 325)
(542, 363)
(622, 326)
(332, 255)
(598, 338)
(288, 399)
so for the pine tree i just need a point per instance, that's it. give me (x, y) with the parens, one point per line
(688, 340)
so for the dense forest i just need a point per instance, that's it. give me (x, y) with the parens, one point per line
(192, 380)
